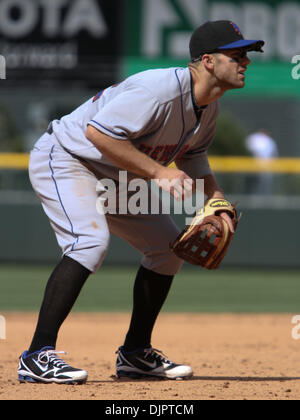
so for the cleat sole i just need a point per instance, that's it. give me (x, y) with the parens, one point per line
(136, 375)
(27, 379)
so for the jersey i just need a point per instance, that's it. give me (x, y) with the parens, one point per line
(154, 109)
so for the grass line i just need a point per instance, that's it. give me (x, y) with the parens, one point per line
(194, 290)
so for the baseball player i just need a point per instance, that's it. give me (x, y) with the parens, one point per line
(141, 126)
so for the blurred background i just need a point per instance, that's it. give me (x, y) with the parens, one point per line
(59, 53)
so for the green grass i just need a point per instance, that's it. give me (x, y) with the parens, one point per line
(194, 290)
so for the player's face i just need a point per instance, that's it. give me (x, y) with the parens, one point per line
(230, 67)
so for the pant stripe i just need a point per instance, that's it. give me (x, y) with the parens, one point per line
(60, 200)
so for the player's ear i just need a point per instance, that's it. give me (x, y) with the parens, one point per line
(208, 61)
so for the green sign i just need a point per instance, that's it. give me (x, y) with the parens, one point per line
(162, 28)
(159, 32)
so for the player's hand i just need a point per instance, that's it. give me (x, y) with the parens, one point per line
(175, 182)
(225, 216)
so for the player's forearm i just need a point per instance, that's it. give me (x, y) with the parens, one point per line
(123, 154)
(212, 188)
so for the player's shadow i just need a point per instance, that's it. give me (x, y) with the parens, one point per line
(113, 378)
(246, 378)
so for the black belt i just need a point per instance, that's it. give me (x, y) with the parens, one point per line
(50, 129)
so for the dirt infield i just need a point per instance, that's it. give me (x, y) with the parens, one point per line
(233, 357)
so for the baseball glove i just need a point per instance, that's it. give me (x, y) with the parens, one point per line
(206, 240)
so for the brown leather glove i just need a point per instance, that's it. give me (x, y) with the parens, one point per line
(206, 240)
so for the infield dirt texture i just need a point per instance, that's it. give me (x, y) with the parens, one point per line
(234, 355)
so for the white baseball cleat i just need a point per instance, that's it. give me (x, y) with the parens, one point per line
(149, 362)
(45, 366)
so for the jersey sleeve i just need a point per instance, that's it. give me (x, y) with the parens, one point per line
(196, 167)
(129, 115)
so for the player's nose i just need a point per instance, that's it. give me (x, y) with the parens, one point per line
(246, 61)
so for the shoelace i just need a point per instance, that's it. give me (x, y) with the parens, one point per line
(157, 354)
(51, 357)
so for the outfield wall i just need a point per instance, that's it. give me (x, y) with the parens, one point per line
(267, 234)
(264, 238)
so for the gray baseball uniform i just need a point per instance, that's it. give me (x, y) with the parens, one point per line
(156, 111)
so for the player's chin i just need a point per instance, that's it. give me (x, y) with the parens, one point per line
(238, 84)
(241, 85)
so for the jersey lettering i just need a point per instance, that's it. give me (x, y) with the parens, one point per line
(160, 153)
(145, 149)
(168, 151)
(156, 152)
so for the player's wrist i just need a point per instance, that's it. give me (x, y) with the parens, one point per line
(216, 195)
(157, 171)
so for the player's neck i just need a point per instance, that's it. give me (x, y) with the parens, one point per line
(206, 90)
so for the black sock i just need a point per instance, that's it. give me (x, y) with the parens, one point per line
(63, 288)
(149, 295)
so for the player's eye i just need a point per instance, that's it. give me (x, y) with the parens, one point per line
(235, 58)
(239, 56)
